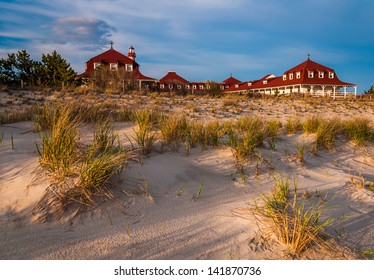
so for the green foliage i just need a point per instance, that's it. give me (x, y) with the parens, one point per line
(310, 124)
(294, 225)
(58, 150)
(57, 70)
(358, 130)
(292, 125)
(19, 70)
(326, 134)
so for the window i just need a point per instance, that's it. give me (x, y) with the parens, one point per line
(298, 75)
(170, 86)
(265, 82)
(96, 65)
(162, 86)
(187, 86)
(128, 67)
(201, 86)
(321, 75)
(249, 84)
(331, 75)
(179, 86)
(236, 86)
(311, 74)
(291, 76)
(284, 77)
(194, 87)
(113, 66)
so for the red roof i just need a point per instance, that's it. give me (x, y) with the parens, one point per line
(231, 81)
(140, 76)
(172, 77)
(306, 73)
(110, 56)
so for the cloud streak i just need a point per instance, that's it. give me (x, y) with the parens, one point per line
(88, 33)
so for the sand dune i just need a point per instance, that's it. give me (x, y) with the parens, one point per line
(156, 213)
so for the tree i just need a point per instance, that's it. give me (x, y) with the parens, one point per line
(57, 70)
(370, 91)
(8, 75)
(25, 67)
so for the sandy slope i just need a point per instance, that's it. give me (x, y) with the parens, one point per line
(156, 214)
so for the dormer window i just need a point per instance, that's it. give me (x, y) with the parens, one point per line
(298, 75)
(321, 75)
(310, 74)
(284, 77)
(114, 66)
(96, 65)
(236, 86)
(128, 67)
(331, 75)
(265, 82)
(291, 76)
(249, 84)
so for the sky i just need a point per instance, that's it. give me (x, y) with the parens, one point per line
(199, 39)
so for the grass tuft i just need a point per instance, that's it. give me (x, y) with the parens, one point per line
(293, 224)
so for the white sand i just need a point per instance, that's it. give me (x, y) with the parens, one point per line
(165, 225)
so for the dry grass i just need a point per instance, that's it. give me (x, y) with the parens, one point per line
(294, 225)
(81, 173)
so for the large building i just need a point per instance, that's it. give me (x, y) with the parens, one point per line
(115, 61)
(308, 77)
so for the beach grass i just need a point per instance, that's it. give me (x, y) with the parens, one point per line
(295, 225)
(358, 130)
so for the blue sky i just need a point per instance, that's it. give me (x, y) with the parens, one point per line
(200, 39)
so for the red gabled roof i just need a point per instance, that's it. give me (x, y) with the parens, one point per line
(231, 81)
(107, 57)
(140, 76)
(112, 56)
(304, 68)
(171, 77)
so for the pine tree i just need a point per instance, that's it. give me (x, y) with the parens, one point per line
(24, 66)
(57, 70)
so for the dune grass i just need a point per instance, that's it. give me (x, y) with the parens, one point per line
(326, 134)
(174, 130)
(358, 130)
(82, 172)
(294, 225)
(145, 137)
(58, 150)
(311, 124)
(247, 135)
(292, 125)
